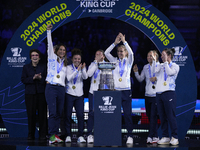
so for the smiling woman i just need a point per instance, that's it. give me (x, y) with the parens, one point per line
(76, 73)
(55, 89)
(33, 76)
(35, 58)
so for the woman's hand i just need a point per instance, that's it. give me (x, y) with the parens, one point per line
(37, 76)
(83, 66)
(135, 68)
(117, 39)
(122, 37)
(49, 26)
(153, 79)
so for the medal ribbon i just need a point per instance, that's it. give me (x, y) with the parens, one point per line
(165, 74)
(75, 79)
(150, 73)
(121, 68)
(59, 68)
(96, 73)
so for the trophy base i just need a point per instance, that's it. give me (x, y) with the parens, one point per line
(106, 87)
(106, 90)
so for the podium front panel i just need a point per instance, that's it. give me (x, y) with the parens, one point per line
(107, 118)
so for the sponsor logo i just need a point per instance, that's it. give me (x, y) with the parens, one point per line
(16, 51)
(107, 106)
(97, 6)
(16, 60)
(107, 100)
(179, 58)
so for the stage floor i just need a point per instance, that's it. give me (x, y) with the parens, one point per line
(139, 144)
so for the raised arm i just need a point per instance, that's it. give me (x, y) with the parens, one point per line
(130, 52)
(110, 48)
(155, 66)
(84, 72)
(92, 68)
(140, 77)
(173, 70)
(71, 74)
(50, 51)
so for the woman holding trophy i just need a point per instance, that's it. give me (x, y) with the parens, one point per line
(94, 73)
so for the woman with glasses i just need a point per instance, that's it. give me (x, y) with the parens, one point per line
(33, 77)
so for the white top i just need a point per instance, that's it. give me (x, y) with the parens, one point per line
(171, 70)
(52, 64)
(125, 83)
(71, 75)
(94, 72)
(147, 73)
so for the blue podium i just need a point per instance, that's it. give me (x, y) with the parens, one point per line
(107, 118)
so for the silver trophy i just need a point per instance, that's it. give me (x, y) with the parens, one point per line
(106, 76)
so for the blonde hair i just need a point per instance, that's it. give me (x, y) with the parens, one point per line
(122, 46)
(156, 53)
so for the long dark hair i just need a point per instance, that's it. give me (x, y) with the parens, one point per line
(56, 50)
(170, 51)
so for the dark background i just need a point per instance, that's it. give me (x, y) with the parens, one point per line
(93, 33)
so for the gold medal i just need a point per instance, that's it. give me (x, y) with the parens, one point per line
(95, 81)
(73, 87)
(165, 83)
(120, 79)
(153, 87)
(58, 76)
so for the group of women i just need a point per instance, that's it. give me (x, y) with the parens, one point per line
(160, 96)
(64, 90)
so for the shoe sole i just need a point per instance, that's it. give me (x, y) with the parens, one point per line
(163, 143)
(90, 142)
(154, 142)
(81, 142)
(174, 144)
(53, 142)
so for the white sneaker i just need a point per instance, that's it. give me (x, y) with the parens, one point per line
(81, 140)
(155, 140)
(129, 140)
(68, 139)
(174, 141)
(164, 140)
(149, 140)
(90, 139)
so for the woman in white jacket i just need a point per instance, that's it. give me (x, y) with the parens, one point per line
(122, 81)
(165, 76)
(76, 72)
(94, 73)
(55, 87)
(150, 95)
